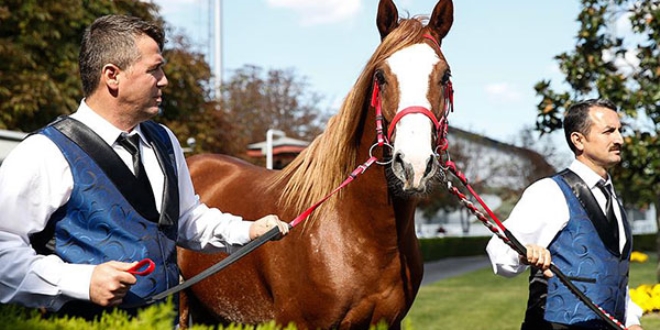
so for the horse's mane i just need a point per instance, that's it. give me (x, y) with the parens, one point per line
(332, 156)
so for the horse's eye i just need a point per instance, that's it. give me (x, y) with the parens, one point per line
(380, 77)
(446, 76)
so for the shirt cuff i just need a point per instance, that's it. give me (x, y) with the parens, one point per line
(75, 281)
(240, 232)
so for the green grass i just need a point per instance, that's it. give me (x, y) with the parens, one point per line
(480, 300)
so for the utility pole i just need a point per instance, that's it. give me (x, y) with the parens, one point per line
(269, 146)
(217, 56)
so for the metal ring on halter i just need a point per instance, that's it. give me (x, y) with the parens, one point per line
(372, 149)
(443, 160)
(440, 148)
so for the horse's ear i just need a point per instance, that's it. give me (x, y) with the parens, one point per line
(387, 19)
(441, 19)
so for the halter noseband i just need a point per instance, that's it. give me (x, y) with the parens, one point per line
(440, 126)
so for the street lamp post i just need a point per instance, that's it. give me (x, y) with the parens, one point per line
(269, 146)
(217, 58)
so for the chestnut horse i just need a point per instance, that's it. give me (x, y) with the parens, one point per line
(356, 261)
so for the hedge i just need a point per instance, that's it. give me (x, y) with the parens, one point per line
(437, 248)
(156, 317)
(445, 247)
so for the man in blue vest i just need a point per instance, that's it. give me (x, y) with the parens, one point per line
(574, 220)
(89, 195)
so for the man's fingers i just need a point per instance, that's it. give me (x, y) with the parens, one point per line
(548, 273)
(110, 283)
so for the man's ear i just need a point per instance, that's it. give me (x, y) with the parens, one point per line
(110, 75)
(578, 140)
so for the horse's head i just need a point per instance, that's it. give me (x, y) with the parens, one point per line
(412, 90)
(407, 79)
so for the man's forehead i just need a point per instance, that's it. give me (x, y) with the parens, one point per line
(605, 117)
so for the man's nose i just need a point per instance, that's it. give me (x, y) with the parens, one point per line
(618, 138)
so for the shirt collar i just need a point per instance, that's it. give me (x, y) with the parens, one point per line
(589, 177)
(108, 132)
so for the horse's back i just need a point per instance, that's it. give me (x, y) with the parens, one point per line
(230, 184)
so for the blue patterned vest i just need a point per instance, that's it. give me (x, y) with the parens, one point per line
(599, 271)
(99, 222)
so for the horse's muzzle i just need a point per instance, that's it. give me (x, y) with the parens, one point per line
(415, 177)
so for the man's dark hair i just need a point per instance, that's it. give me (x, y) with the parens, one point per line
(576, 119)
(111, 39)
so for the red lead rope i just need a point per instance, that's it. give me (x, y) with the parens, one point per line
(359, 170)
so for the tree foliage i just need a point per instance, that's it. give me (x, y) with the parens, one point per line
(622, 65)
(39, 43)
(254, 101)
(188, 107)
(39, 80)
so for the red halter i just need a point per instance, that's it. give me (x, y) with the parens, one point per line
(439, 125)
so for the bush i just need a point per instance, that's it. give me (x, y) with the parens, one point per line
(445, 247)
(156, 317)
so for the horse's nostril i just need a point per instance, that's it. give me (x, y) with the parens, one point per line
(429, 166)
(398, 158)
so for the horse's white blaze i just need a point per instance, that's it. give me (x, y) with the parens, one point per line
(412, 66)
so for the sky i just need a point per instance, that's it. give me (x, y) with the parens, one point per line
(497, 50)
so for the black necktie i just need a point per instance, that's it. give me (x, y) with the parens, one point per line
(146, 194)
(132, 144)
(609, 207)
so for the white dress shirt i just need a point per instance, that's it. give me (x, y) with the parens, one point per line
(35, 180)
(538, 217)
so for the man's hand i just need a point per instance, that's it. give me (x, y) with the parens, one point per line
(265, 224)
(110, 283)
(635, 327)
(538, 257)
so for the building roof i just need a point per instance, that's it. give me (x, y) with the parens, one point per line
(11, 135)
(529, 154)
(280, 145)
(9, 140)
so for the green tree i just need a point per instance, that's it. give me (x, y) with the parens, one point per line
(188, 107)
(39, 43)
(623, 66)
(254, 101)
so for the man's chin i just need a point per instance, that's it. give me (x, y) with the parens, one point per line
(155, 111)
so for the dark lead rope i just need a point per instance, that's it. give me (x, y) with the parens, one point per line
(244, 250)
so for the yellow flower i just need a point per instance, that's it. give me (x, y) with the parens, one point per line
(647, 297)
(638, 257)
